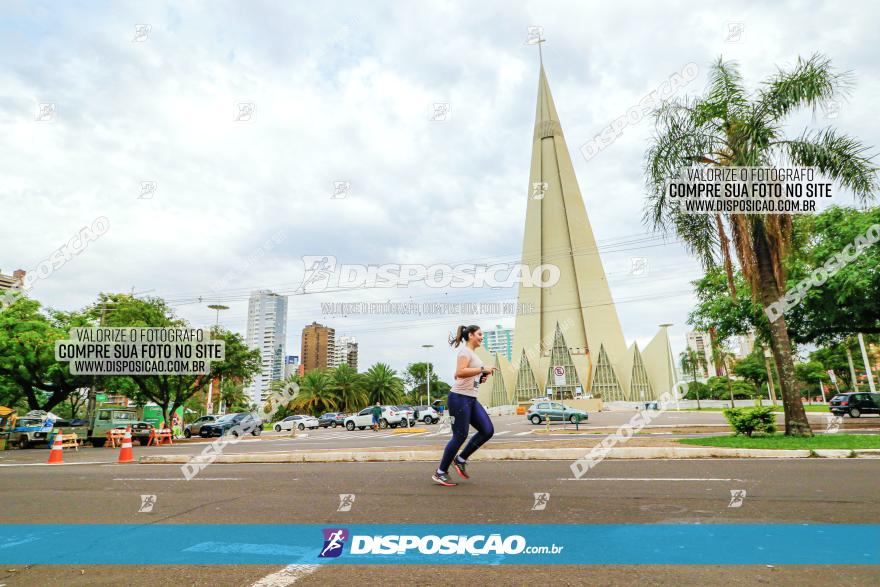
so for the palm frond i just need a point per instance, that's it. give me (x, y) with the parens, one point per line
(812, 82)
(725, 94)
(838, 156)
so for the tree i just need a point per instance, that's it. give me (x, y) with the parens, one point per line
(691, 361)
(348, 387)
(28, 369)
(727, 127)
(316, 394)
(811, 374)
(170, 391)
(839, 308)
(382, 385)
(751, 368)
(415, 378)
(233, 396)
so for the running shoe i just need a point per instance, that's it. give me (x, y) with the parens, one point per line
(443, 479)
(461, 467)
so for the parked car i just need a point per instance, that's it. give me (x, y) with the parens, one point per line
(332, 420)
(408, 412)
(364, 418)
(554, 411)
(300, 421)
(427, 414)
(196, 427)
(235, 424)
(855, 404)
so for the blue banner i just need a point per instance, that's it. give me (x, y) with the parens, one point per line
(540, 544)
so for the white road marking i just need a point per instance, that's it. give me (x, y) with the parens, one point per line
(523, 433)
(179, 479)
(286, 576)
(649, 479)
(503, 432)
(54, 464)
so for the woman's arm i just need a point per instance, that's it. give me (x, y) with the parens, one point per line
(462, 370)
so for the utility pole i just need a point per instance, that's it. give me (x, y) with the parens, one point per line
(769, 375)
(852, 367)
(209, 404)
(427, 347)
(867, 364)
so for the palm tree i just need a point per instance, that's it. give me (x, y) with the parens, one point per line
(382, 385)
(691, 360)
(727, 126)
(316, 394)
(348, 388)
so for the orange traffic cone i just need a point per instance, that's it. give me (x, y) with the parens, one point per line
(126, 455)
(56, 455)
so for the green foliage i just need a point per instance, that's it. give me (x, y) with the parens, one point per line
(747, 421)
(831, 312)
(697, 390)
(382, 385)
(29, 373)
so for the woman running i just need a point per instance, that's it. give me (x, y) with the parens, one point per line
(463, 406)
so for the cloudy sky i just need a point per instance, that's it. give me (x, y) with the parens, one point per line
(99, 100)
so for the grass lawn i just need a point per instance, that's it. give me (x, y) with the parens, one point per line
(808, 408)
(781, 441)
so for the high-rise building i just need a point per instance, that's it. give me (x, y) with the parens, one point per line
(266, 331)
(746, 345)
(14, 281)
(499, 340)
(570, 344)
(700, 342)
(318, 347)
(291, 365)
(346, 352)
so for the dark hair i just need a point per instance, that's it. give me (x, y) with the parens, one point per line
(462, 334)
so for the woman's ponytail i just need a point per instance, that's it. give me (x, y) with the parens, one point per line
(462, 333)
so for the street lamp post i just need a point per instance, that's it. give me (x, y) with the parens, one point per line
(428, 366)
(209, 405)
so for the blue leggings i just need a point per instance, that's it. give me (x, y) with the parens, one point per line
(466, 412)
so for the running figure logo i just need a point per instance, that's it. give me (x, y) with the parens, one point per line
(147, 503)
(346, 500)
(334, 541)
(319, 269)
(736, 498)
(541, 501)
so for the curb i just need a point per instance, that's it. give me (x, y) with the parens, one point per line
(515, 454)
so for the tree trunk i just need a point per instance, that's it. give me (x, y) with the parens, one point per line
(796, 423)
(725, 254)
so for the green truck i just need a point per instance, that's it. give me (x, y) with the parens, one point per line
(39, 428)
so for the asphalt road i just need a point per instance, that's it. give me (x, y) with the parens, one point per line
(508, 429)
(637, 492)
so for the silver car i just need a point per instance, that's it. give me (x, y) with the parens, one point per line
(194, 428)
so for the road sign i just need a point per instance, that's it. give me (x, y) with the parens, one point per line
(100, 397)
(559, 375)
(832, 375)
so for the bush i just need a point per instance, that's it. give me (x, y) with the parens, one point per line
(749, 420)
(697, 387)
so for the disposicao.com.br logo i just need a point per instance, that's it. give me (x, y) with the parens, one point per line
(453, 544)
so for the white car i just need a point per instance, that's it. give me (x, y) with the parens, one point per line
(427, 414)
(301, 423)
(364, 418)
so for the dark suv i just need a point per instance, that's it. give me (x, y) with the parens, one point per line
(332, 419)
(855, 404)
